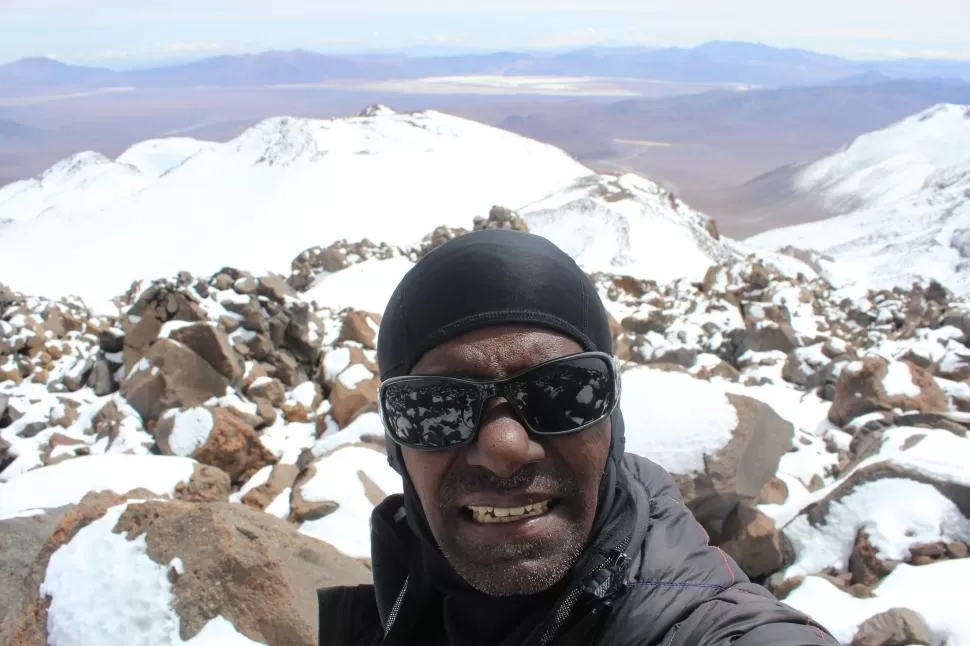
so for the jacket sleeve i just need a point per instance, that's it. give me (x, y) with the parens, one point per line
(698, 592)
(747, 615)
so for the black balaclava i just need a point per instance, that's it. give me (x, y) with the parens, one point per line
(485, 278)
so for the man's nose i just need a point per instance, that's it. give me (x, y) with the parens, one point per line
(503, 445)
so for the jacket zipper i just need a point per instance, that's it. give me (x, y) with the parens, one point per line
(569, 603)
(396, 608)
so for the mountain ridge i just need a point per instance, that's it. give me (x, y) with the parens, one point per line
(714, 61)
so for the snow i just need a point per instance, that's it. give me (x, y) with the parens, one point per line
(895, 513)
(935, 591)
(899, 380)
(191, 430)
(304, 394)
(67, 482)
(902, 194)
(366, 286)
(365, 177)
(135, 602)
(365, 427)
(354, 375)
(675, 419)
(626, 225)
(158, 156)
(337, 479)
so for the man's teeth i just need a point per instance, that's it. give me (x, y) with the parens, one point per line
(507, 514)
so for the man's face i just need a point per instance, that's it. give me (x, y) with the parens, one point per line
(506, 467)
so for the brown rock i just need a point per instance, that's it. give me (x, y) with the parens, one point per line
(350, 397)
(212, 344)
(281, 478)
(752, 539)
(742, 467)
(301, 509)
(174, 377)
(932, 551)
(295, 412)
(860, 389)
(270, 389)
(894, 627)
(234, 447)
(775, 492)
(138, 338)
(207, 484)
(360, 327)
(864, 565)
(266, 412)
(275, 287)
(247, 566)
(25, 618)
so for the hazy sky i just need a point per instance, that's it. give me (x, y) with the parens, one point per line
(120, 32)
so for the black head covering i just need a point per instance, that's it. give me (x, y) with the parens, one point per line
(484, 278)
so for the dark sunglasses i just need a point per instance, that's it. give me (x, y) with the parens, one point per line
(557, 397)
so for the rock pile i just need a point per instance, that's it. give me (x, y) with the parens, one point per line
(807, 412)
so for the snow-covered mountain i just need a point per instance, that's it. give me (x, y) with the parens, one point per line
(91, 225)
(904, 195)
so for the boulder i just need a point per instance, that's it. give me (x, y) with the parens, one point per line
(212, 344)
(751, 538)
(894, 627)
(214, 436)
(876, 384)
(742, 467)
(360, 327)
(170, 376)
(354, 392)
(281, 478)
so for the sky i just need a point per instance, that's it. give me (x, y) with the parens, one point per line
(121, 33)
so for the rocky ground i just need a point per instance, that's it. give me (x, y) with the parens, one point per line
(217, 436)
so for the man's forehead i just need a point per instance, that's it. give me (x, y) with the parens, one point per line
(495, 351)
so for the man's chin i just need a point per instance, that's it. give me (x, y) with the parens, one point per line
(513, 558)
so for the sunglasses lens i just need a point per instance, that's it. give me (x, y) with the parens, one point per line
(564, 396)
(430, 413)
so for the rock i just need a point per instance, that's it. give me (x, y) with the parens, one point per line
(101, 378)
(775, 492)
(894, 627)
(171, 376)
(302, 509)
(281, 478)
(354, 392)
(21, 540)
(212, 344)
(214, 436)
(268, 388)
(304, 334)
(253, 569)
(751, 538)
(865, 566)
(360, 327)
(274, 286)
(875, 384)
(207, 484)
(25, 623)
(739, 470)
(112, 340)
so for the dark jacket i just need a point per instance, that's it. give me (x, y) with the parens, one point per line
(660, 584)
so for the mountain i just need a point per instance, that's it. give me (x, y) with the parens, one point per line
(904, 196)
(258, 200)
(38, 71)
(712, 62)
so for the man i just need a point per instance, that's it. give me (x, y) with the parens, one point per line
(522, 521)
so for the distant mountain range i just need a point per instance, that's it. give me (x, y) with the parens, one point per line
(713, 62)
